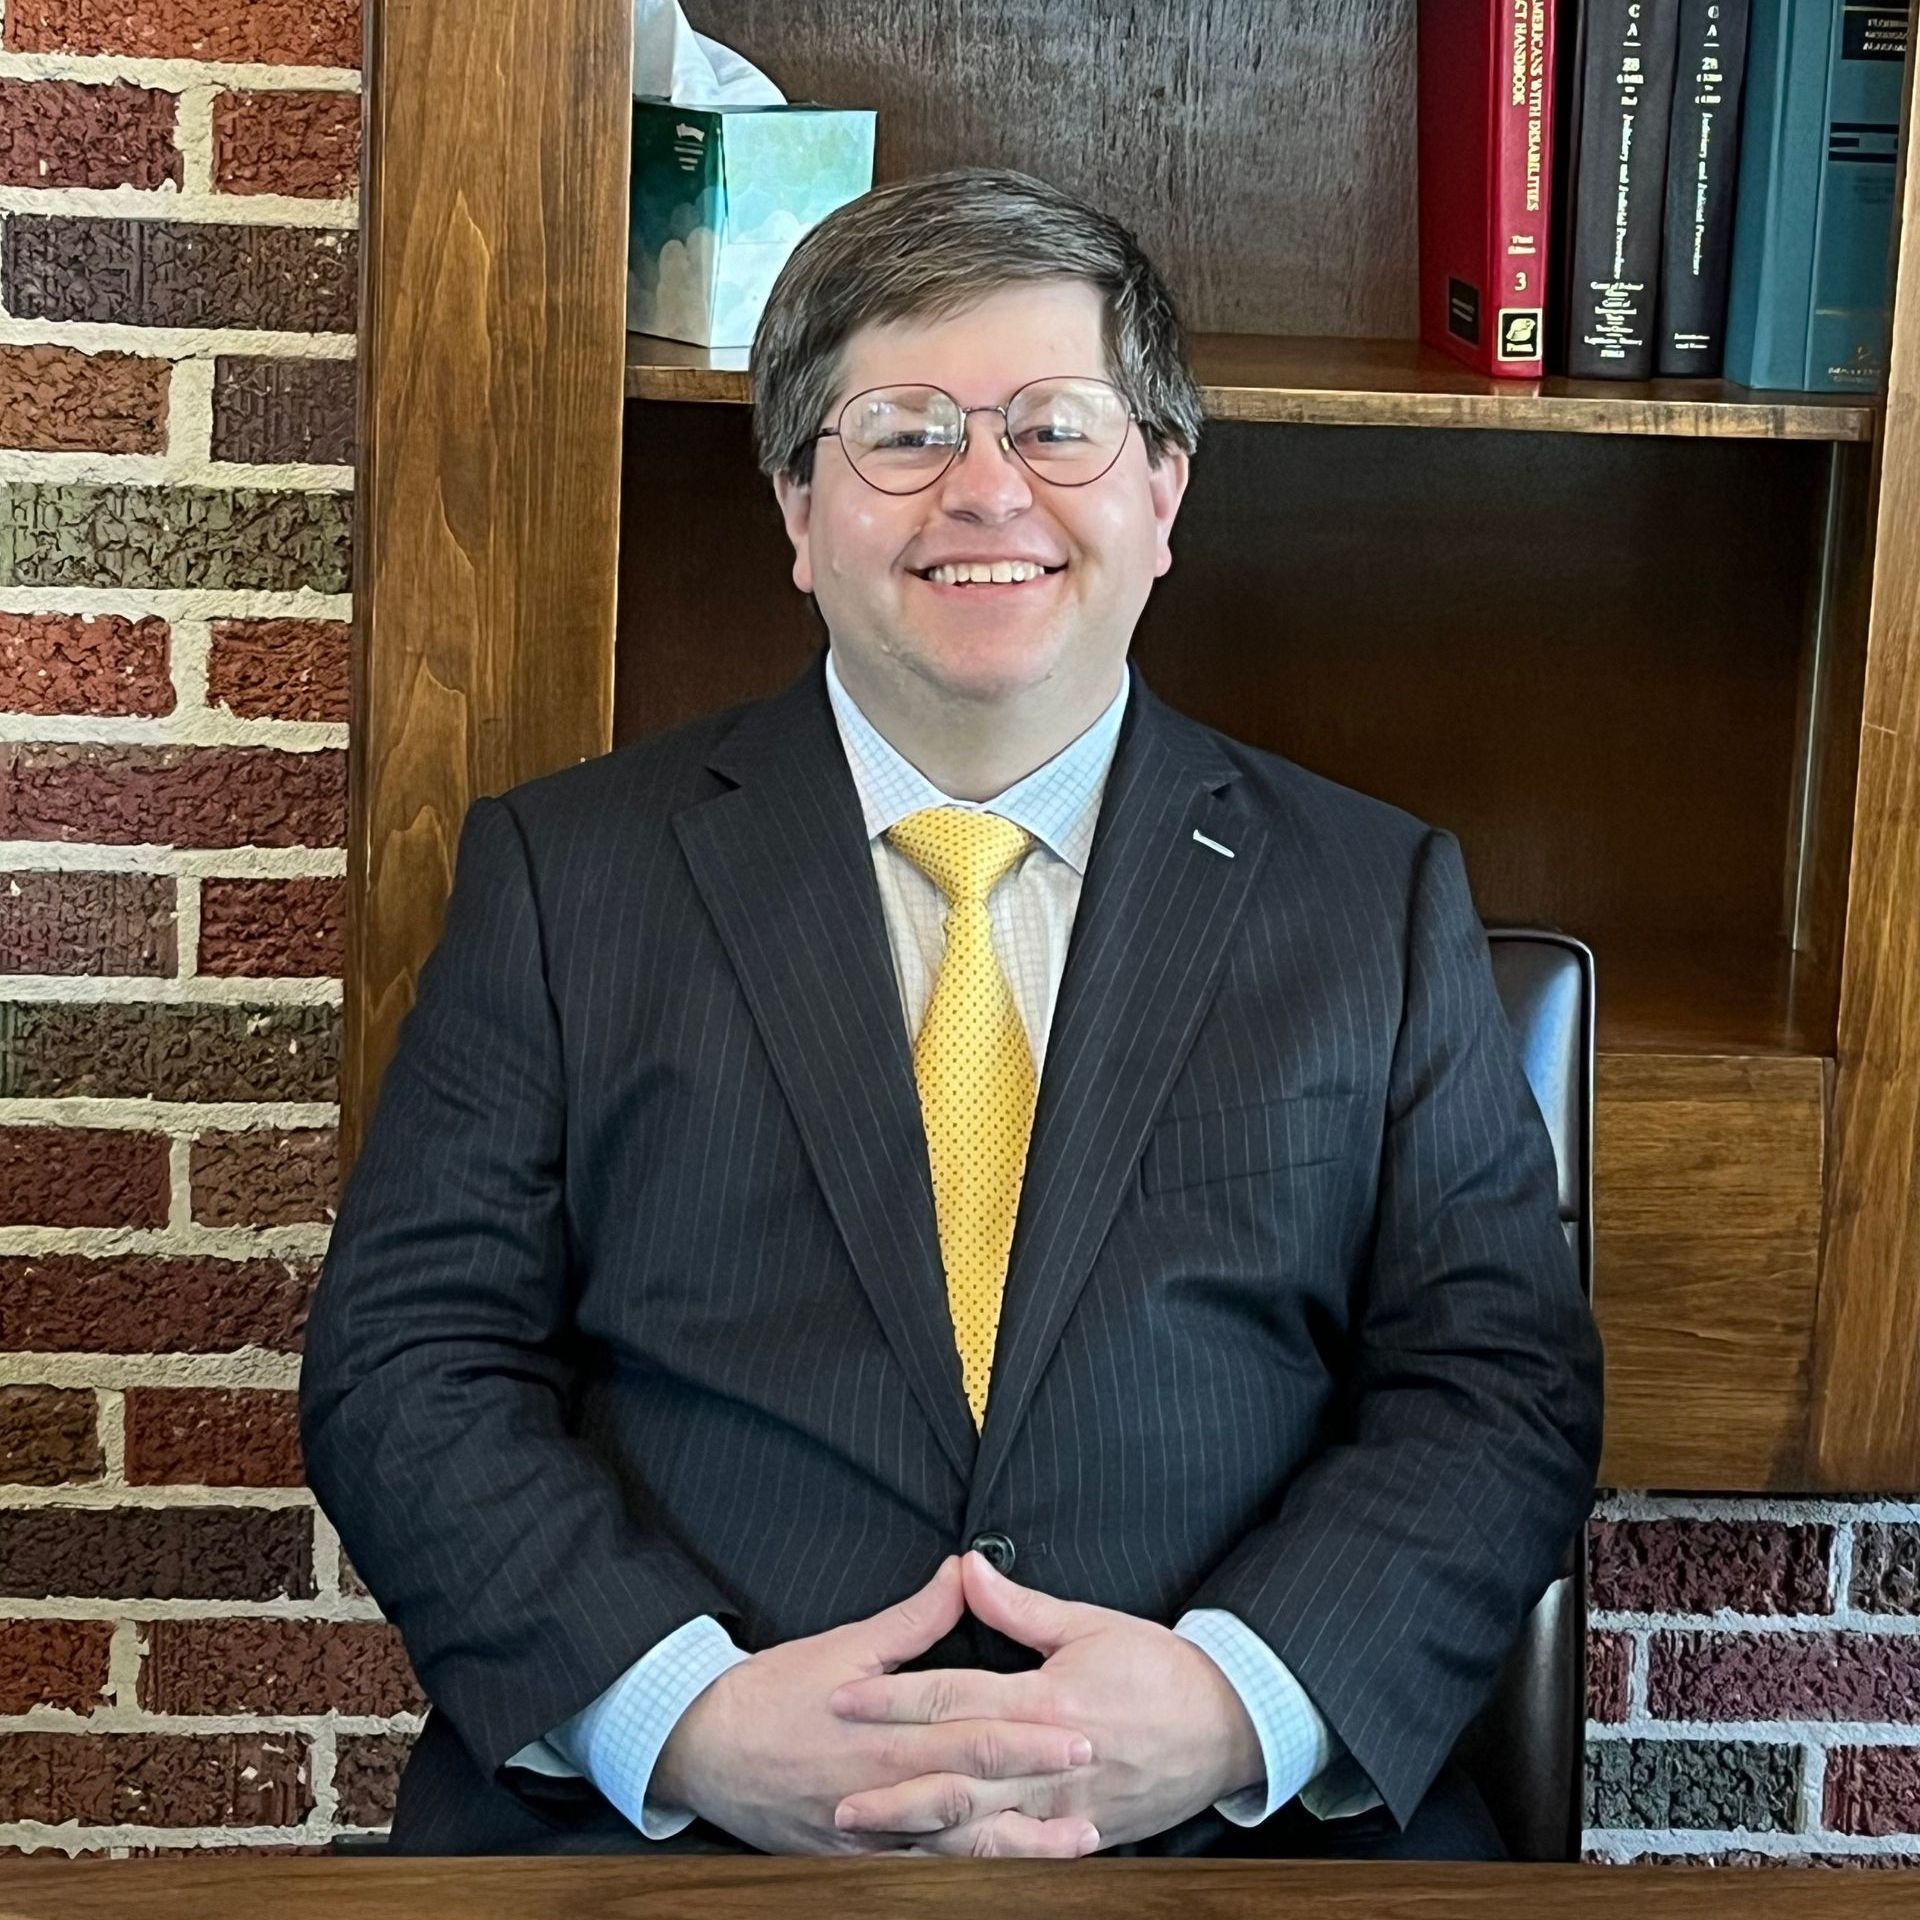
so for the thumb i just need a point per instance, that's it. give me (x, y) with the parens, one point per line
(912, 1625)
(1025, 1614)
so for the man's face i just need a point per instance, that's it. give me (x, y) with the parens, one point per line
(1056, 640)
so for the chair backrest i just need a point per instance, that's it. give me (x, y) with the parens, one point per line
(1526, 1750)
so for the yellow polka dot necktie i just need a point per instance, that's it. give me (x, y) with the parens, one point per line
(975, 1073)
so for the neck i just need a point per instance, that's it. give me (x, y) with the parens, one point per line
(976, 749)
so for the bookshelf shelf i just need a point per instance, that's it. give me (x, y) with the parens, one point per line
(1308, 381)
(1684, 994)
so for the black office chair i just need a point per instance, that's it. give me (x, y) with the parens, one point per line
(1526, 1750)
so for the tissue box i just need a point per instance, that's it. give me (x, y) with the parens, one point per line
(719, 197)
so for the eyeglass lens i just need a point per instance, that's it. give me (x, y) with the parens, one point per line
(1068, 431)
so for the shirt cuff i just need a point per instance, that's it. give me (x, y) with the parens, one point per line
(1302, 1754)
(615, 1740)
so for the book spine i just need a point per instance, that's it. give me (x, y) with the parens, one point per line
(1702, 158)
(1521, 177)
(1619, 186)
(1848, 300)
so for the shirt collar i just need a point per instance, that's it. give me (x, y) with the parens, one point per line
(1058, 803)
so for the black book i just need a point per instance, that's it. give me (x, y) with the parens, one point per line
(1619, 95)
(1702, 172)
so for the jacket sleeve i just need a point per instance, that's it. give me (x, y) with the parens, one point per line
(435, 1388)
(1399, 1564)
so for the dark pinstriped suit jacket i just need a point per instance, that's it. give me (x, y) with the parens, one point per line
(634, 1307)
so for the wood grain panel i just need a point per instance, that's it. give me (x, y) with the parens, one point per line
(1264, 155)
(493, 336)
(1707, 1195)
(670, 1886)
(1865, 1430)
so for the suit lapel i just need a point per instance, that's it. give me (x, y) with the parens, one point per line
(1149, 944)
(783, 864)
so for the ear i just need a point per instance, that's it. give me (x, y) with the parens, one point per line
(1166, 488)
(796, 509)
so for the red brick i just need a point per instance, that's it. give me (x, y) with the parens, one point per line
(84, 663)
(278, 33)
(280, 669)
(1873, 1790)
(97, 925)
(157, 1553)
(54, 1663)
(74, 1303)
(212, 1437)
(49, 1436)
(156, 1779)
(1700, 1566)
(277, 1666)
(366, 1776)
(1784, 1676)
(173, 796)
(304, 144)
(265, 1177)
(294, 927)
(65, 400)
(72, 133)
(81, 1177)
(1609, 1671)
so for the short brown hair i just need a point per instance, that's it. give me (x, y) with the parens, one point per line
(923, 249)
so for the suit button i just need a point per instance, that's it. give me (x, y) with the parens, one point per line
(995, 1549)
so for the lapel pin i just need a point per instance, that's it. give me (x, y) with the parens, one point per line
(1214, 844)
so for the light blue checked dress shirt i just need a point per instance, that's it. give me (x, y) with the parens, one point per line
(615, 1739)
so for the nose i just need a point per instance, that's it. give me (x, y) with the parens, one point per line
(986, 480)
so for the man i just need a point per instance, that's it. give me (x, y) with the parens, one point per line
(958, 1107)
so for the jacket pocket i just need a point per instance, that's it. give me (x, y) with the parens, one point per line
(1302, 1130)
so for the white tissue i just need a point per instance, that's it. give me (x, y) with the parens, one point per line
(672, 62)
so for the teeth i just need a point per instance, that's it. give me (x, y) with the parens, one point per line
(985, 573)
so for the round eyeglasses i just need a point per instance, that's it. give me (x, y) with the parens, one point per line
(1068, 430)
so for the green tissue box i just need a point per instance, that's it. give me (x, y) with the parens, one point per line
(719, 197)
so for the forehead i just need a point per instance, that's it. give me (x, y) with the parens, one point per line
(983, 352)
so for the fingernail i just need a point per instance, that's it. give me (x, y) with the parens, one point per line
(1091, 1844)
(1080, 1752)
(842, 1818)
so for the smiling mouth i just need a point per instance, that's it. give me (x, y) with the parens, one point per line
(984, 573)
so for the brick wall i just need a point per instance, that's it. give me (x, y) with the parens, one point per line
(1754, 1682)
(185, 1659)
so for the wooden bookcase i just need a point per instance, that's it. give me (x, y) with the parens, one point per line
(1649, 650)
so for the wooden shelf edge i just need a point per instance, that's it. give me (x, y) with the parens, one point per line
(1286, 381)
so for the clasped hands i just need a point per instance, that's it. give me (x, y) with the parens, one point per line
(819, 1746)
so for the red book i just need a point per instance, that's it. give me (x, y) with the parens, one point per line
(1486, 168)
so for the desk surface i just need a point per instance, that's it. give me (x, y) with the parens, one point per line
(242, 1887)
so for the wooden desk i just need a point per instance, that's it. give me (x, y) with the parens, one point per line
(238, 1887)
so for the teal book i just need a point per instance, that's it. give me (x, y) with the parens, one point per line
(1807, 308)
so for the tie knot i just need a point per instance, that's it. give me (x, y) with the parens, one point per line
(964, 854)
